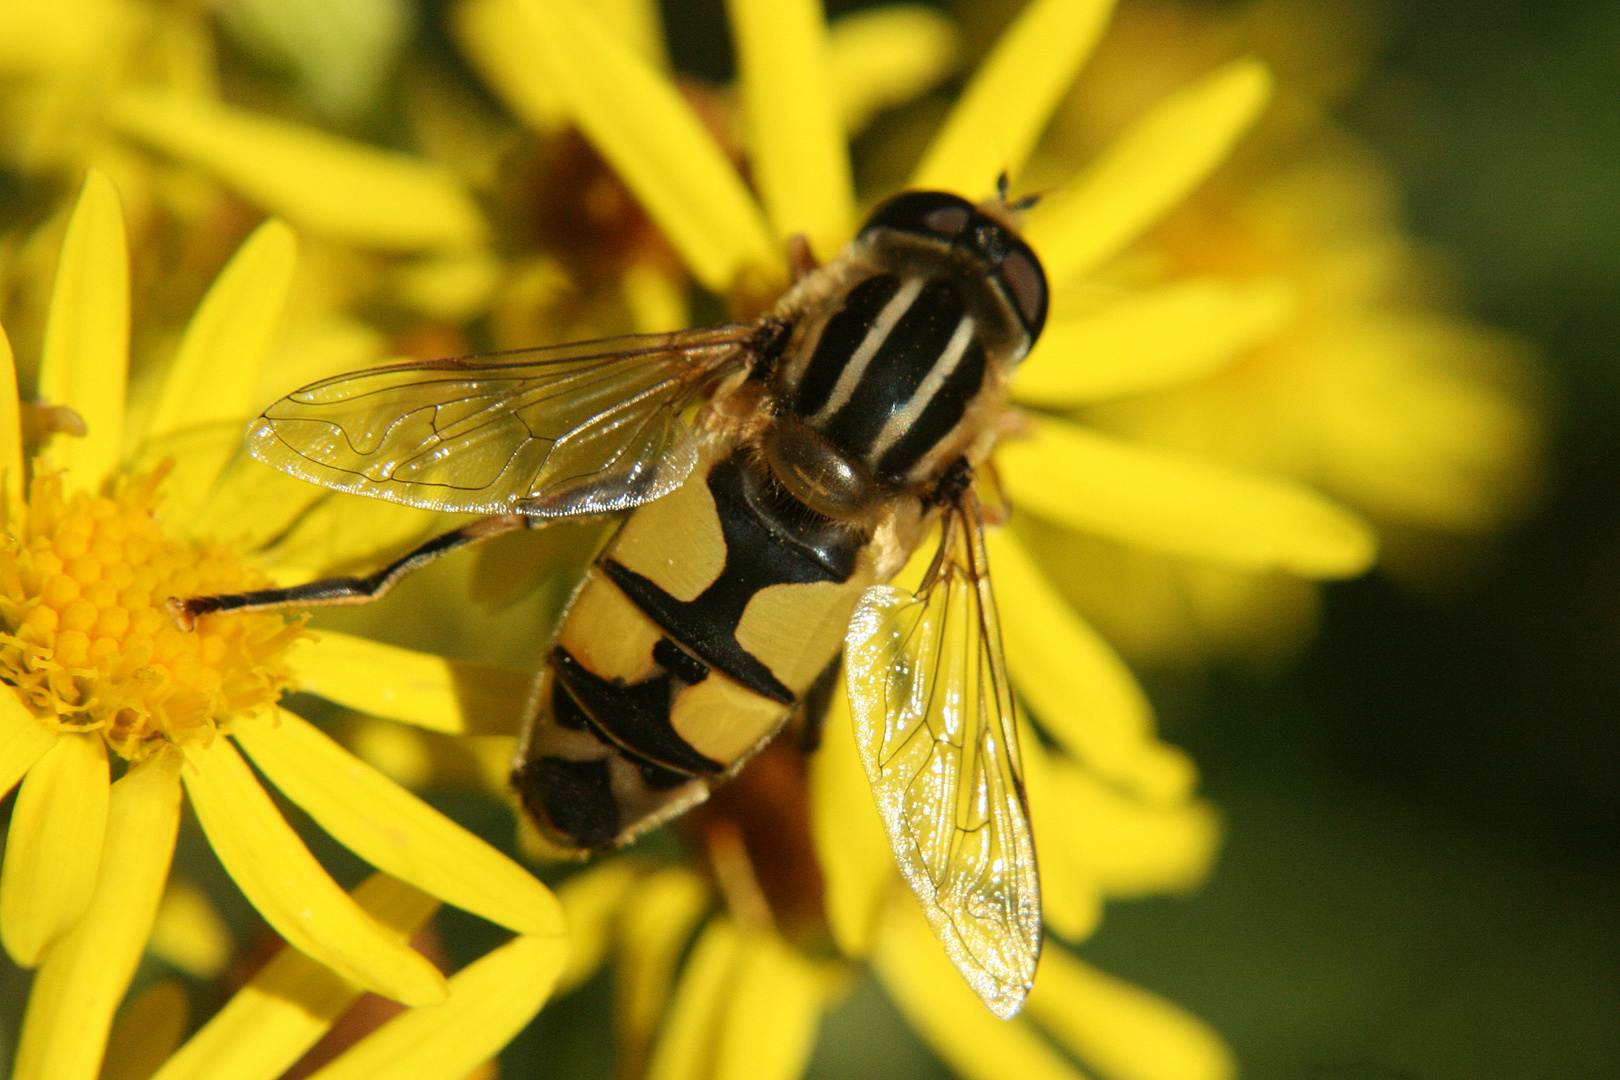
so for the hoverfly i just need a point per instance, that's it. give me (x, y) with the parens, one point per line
(829, 438)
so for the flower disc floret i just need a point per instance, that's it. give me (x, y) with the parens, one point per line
(87, 643)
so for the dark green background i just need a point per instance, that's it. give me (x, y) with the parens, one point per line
(1421, 877)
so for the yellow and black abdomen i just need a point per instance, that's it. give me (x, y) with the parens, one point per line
(695, 635)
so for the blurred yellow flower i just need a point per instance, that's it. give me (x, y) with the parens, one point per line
(62, 64)
(110, 710)
(131, 87)
(1346, 366)
(458, 216)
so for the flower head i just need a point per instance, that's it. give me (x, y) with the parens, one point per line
(1335, 357)
(1112, 806)
(89, 645)
(109, 710)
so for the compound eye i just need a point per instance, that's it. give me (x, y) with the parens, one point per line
(1021, 275)
(934, 214)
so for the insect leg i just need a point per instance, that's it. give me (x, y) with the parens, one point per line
(330, 592)
(801, 260)
(998, 512)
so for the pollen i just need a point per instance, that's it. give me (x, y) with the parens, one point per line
(85, 639)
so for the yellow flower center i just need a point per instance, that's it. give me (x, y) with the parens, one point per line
(85, 639)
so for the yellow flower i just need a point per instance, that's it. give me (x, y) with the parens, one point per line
(109, 711)
(603, 267)
(801, 884)
(130, 87)
(62, 61)
(1343, 365)
(85, 77)
(1112, 806)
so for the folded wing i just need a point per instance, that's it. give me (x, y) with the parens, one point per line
(935, 724)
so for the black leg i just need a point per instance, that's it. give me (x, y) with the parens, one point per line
(331, 592)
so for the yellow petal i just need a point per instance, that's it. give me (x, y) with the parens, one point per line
(591, 901)
(488, 33)
(857, 866)
(686, 1043)
(308, 528)
(292, 1001)
(346, 190)
(86, 355)
(53, 850)
(769, 1024)
(1071, 902)
(215, 373)
(189, 934)
(23, 741)
(1146, 171)
(656, 297)
(418, 688)
(1122, 1031)
(453, 286)
(1180, 504)
(639, 24)
(85, 974)
(1005, 108)
(1078, 688)
(485, 29)
(885, 56)
(422, 759)
(394, 830)
(11, 470)
(796, 146)
(490, 1001)
(1160, 338)
(147, 1031)
(653, 935)
(1131, 849)
(36, 38)
(640, 123)
(195, 457)
(949, 1015)
(1404, 427)
(283, 881)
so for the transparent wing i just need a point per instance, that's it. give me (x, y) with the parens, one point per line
(577, 429)
(935, 724)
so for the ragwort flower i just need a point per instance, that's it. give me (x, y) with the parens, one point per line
(1112, 806)
(458, 217)
(800, 882)
(1338, 359)
(132, 88)
(109, 711)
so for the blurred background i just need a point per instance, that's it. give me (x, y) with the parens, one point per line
(1422, 800)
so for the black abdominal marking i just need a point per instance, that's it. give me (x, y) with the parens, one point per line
(574, 796)
(761, 551)
(635, 718)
